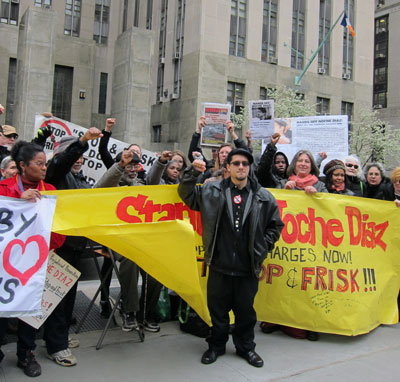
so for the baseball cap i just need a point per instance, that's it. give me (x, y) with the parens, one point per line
(9, 130)
(240, 151)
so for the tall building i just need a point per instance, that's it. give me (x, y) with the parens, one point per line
(386, 71)
(152, 63)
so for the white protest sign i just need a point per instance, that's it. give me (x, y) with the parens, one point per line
(93, 167)
(325, 133)
(261, 118)
(24, 247)
(60, 278)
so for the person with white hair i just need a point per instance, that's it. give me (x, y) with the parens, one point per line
(354, 175)
(8, 168)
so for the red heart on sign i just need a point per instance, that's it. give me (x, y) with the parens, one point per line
(43, 253)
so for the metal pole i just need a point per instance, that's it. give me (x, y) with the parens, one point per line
(297, 80)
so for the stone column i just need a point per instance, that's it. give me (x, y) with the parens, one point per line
(35, 63)
(130, 105)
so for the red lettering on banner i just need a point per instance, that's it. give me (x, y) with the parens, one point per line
(306, 227)
(364, 233)
(146, 207)
(325, 279)
(273, 270)
(303, 228)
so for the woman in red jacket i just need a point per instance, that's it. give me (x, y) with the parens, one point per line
(27, 184)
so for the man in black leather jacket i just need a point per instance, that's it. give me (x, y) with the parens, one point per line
(241, 223)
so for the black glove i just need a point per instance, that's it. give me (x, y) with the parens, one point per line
(43, 133)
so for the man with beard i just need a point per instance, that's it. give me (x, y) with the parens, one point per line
(241, 223)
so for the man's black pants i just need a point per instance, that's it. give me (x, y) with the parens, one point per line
(236, 293)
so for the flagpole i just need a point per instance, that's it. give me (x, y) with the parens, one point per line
(297, 80)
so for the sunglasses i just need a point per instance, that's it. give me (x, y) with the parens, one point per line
(237, 163)
(352, 165)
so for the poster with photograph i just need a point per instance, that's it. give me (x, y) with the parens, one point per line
(325, 133)
(214, 132)
(261, 118)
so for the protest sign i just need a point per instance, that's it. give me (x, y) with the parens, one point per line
(325, 133)
(214, 132)
(24, 248)
(93, 167)
(335, 268)
(60, 278)
(261, 118)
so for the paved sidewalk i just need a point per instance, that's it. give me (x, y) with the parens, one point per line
(174, 356)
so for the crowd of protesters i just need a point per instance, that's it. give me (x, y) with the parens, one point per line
(25, 172)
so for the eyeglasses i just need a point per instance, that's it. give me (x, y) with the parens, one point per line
(11, 136)
(352, 165)
(131, 167)
(237, 163)
(39, 164)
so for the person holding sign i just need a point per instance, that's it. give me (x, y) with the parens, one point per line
(336, 179)
(27, 184)
(241, 223)
(303, 174)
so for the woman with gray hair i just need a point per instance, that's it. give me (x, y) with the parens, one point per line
(378, 186)
(8, 168)
(303, 174)
(354, 175)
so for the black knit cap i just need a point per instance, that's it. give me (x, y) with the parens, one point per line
(240, 151)
(135, 158)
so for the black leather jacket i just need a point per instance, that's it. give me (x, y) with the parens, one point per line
(210, 198)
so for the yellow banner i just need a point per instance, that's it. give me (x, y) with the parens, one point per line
(335, 268)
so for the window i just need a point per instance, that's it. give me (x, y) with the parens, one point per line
(381, 62)
(324, 27)
(235, 97)
(266, 93)
(347, 109)
(269, 31)
(9, 12)
(12, 79)
(180, 25)
(322, 107)
(101, 21)
(136, 17)
(161, 51)
(62, 92)
(72, 21)
(43, 3)
(125, 16)
(103, 93)
(238, 28)
(347, 66)
(156, 134)
(149, 16)
(298, 28)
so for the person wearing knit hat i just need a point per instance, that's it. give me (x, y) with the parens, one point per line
(335, 180)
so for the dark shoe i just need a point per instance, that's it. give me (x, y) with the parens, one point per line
(268, 328)
(105, 309)
(151, 326)
(129, 322)
(30, 365)
(73, 321)
(210, 356)
(252, 358)
(312, 336)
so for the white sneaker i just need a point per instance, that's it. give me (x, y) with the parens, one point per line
(73, 342)
(63, 358)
